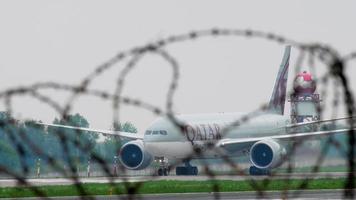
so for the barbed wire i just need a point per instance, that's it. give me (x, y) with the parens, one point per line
(323, 53)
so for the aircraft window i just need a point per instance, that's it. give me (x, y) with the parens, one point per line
(163, 132)
(148, 132)
(155, 132)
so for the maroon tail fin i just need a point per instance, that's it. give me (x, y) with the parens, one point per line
(278, 98)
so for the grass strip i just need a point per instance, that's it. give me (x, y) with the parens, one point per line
(172, 186)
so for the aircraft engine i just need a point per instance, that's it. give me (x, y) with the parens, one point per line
(134, 156)
(267, 154)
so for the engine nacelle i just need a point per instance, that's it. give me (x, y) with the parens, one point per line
(134, 156)
(267, 154)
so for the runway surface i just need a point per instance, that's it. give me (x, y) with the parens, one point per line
(305, 194)
(66, 181)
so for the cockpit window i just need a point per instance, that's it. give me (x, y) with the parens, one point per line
(163, 132)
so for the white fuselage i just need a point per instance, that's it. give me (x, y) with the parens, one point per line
(164, 139)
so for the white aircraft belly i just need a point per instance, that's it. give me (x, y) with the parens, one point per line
(179, 150)
(169, 149)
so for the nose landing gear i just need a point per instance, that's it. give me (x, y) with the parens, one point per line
(163, 168)
(162, 172)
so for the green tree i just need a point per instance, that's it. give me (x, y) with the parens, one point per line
(80, 143)
(34, 139)
(112, 144)
(12, 151)
(53, 142)
(125, 127)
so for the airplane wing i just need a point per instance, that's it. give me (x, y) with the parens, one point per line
(132, 136)
(303, 135)
(317, 122)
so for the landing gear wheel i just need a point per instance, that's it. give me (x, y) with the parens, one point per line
(187, 169)
(195, 171)
(160, 172)
(192, 171)
(180, 171)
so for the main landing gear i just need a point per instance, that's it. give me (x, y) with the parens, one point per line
(188, 169)
(164, 168)
(259, 172)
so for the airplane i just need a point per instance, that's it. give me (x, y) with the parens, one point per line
(266, 137)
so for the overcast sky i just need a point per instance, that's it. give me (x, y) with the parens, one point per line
(64, 41)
